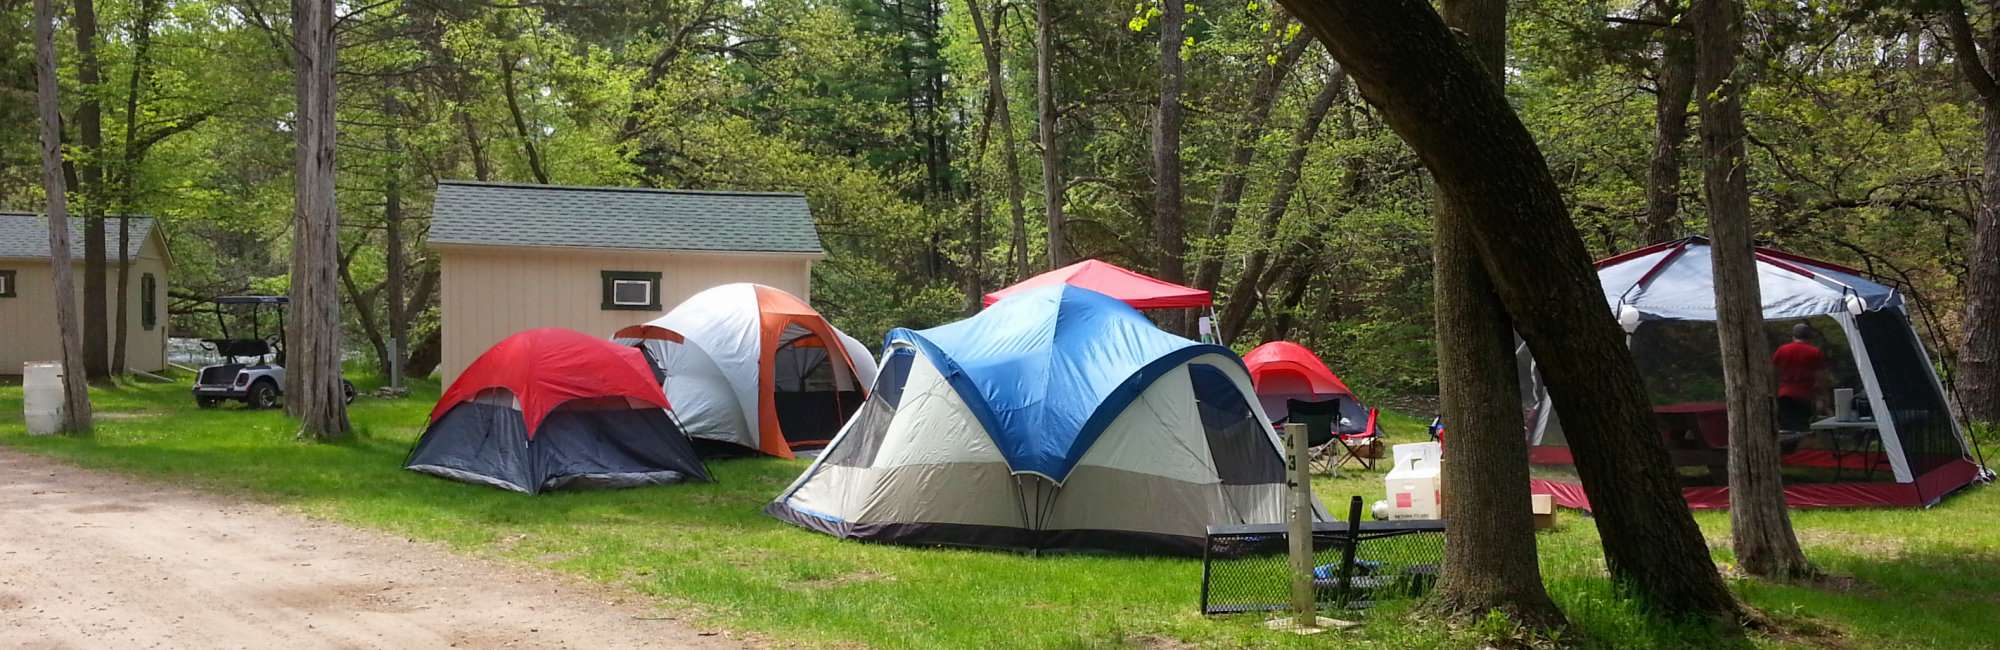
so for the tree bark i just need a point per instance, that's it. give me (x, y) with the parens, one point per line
(1434, 94)
(1760, 525)
(996, 88)
(313, 393)
(1490, 562)
(1169, 229)
(392, 225)
(1229, 193)
(128, 170)
(90, 186)
(1045, 110)
(520, 122)
(1676, 88)
(1243, 295)
(76, 390)
(1979, 347)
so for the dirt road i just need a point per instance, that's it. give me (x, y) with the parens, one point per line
(94, 560)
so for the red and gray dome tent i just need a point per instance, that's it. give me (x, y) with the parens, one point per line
(1286, 372)
(551, 409)
(1910, 452)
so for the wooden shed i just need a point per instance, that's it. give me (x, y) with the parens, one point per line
(27, 292)
(594, 259)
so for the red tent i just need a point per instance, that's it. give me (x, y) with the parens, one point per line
(1287, 368)
(1137, 290)
(546, 367)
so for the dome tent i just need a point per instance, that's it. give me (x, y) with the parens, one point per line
(1284, 371)
(1057, 420)
(756, 367)
(1912, 453)
(552, 409)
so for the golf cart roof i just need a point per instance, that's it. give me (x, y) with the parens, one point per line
(252, 300)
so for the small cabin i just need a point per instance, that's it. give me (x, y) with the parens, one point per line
(594, 259)
(27, 291)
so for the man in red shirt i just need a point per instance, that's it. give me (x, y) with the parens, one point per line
(1799, 366)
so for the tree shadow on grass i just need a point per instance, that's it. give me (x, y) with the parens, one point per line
(1938, 596)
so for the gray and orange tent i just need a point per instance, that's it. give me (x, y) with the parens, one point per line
(754, 366)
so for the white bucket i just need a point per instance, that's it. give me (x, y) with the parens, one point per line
(42, 398)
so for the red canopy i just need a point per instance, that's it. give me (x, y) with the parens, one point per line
(1137, 290)
(1287, 368)
(549, 366)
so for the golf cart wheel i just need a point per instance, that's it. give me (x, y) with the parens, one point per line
(347, 391)
(208, 402)
(263, 394)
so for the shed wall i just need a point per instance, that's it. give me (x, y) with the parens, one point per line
(488, 293)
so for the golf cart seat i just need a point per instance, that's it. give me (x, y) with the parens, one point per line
(240, 347)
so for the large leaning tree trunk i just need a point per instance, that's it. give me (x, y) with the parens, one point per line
(90, 186)
(1433, 92)
(1053, 185)
(1979, 350)
(1169, 229)
(1760, 526)
(76, 392)
(1674, 87)
(1489, 562)
(312, 358)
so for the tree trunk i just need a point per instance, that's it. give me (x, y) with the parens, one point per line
(76, 391)
(1760, 525)
(128, 170)
(1045, 111)
(1169, 231)
(975, 245)
(1297, 272)
(1979, 353)
(392, 227)
(520, 122)
(90, 186)
(1229, 194)
(996, 88)
(1979, 350)
(1490, 562)
(1243, 295)
(1676, 86)
(313, 393)
(1434, 94)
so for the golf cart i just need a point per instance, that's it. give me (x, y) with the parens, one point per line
(253, 371)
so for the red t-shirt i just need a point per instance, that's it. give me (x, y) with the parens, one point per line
(1798, 365)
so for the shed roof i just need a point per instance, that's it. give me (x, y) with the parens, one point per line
(25, 235)
(509, 214)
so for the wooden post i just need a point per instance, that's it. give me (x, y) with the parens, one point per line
(1300, 533)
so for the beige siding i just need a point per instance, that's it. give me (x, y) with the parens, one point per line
(489, 293)
(28, 320)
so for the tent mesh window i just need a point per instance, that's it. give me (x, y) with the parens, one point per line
(1248, 568)
(1923, 421)
(1681, 366)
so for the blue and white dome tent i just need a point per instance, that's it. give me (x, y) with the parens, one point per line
(1059, 419)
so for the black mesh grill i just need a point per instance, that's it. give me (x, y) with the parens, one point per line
(1247, 568)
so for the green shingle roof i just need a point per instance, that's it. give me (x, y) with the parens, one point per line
(26, 235)
(507, 214)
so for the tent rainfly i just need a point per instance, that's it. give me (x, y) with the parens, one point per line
(1059, 420)
(553, 409)
(1135, 289)
(754, 366)
(1910, 453)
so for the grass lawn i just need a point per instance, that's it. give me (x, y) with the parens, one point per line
(1907, 579)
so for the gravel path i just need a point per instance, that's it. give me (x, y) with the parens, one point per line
(94, 560)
